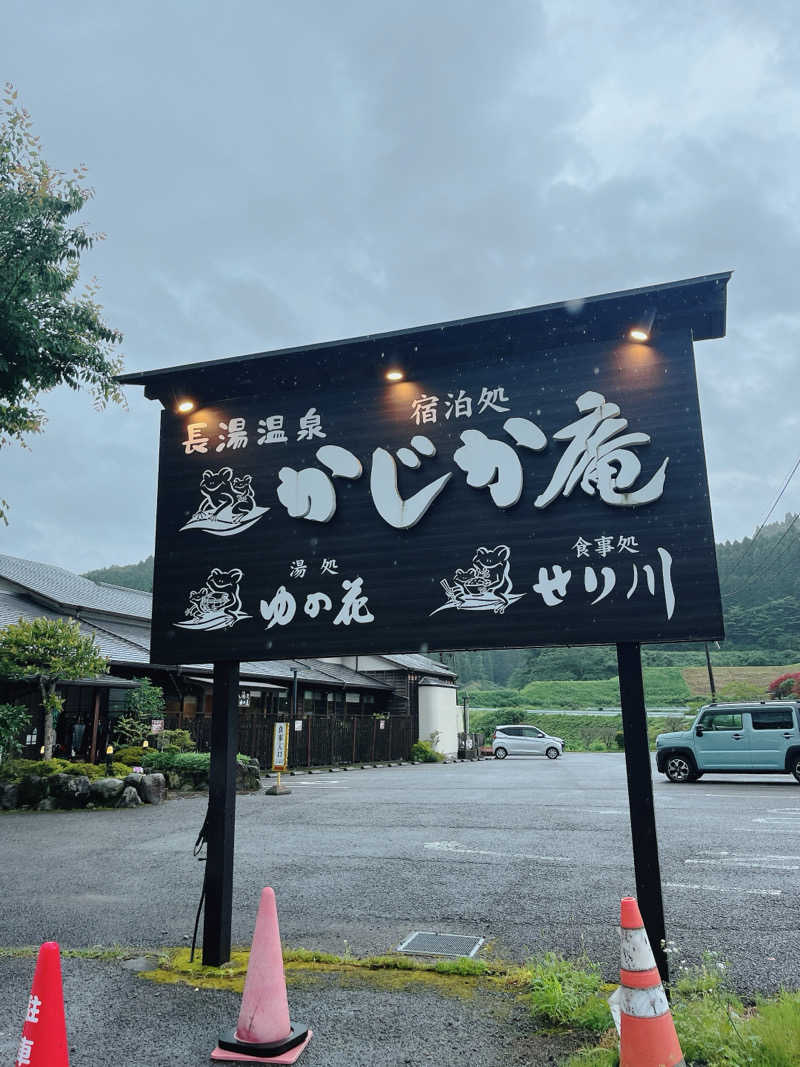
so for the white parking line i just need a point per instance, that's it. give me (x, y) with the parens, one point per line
(724, 889)
(748, 795)
(780, 820)
(746, 855)
(757, 865)
(454, 846)
(325, 781)
(788, 829)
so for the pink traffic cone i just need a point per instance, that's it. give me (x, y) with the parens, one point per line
(264, 1033)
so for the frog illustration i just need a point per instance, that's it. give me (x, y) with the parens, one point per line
(489, 573)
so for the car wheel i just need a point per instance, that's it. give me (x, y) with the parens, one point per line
(552, 752)
(679, 769)
(500, 753)
(796, 767)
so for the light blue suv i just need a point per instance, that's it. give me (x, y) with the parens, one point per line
(747, 738)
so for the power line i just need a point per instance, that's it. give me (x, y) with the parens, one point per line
(778, 497)
(776, 547)
(748, 550)
(746, 581)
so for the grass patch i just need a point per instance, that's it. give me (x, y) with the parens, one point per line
(567, 993)
(697, 678)
(715, 1028)
(94, 952)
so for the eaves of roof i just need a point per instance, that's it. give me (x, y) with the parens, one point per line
(695, 304)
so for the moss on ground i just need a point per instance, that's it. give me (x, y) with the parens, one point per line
(457, 977)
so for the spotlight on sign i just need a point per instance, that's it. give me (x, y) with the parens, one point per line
(642, 330)
(394, 376)
(185, 405)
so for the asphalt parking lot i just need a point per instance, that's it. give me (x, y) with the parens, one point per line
(529, 853)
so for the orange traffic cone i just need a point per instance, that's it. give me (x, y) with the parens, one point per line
(647, 1032)
(264, 1033)
(44, 1032)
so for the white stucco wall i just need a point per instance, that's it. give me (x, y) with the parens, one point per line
(360, 663)
(439, 711)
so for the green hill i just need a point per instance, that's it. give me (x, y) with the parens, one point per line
(131, 575)
(760, 583)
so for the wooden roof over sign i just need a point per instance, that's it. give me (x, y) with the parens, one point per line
(698, 304)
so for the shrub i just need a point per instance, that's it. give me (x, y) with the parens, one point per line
(786, 685)
(20, 768)
(132, 730)
(15, 770)
(183, 762)
(176, 741)
(130, 754)
(423, 752)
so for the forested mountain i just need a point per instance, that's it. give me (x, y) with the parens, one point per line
(131, 575)
(760, 581)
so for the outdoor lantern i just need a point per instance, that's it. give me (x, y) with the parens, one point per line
(394, 376)
(145, 743)
(109, 754)
(184, 406)
(41, 751)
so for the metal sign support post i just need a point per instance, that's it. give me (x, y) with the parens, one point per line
(640, 800)
(221, 815)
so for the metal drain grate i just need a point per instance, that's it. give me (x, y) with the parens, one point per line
(427, 943)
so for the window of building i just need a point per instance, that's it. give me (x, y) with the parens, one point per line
(118, 701)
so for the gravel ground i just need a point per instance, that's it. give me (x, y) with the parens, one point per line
(116, 1017)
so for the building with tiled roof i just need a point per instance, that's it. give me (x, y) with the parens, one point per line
(352, 708)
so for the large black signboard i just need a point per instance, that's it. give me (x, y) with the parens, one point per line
(496, 493)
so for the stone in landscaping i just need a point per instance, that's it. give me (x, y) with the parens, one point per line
(9, 796)
(69, 790)
(248, 775)
(32, 789)
(173, 780)
(47, 804)
(106, 790)
(129, 799)
(134, 779)
(153, 788)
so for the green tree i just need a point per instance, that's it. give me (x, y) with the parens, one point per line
(12, 720)
(142, 705)
(49, 651)
(48, 335)
(146, 702)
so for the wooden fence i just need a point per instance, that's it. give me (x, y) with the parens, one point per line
(322, 741)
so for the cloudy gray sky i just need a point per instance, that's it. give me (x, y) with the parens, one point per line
(280, 172)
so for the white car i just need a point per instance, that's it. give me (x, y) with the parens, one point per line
(519, 740)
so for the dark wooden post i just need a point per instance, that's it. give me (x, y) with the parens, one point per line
(640, 800)
(95, 721)
(221, 815)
